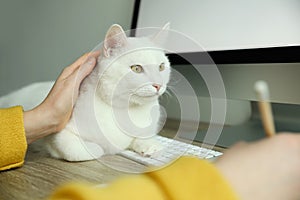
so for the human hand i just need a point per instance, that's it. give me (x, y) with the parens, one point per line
(267, 169)
(54, 112)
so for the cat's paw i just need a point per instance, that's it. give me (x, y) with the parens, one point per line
(86, 151)
(146, 147)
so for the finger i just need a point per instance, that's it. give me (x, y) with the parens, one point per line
(83, 59)
(70, 69)
(73, 81)
(85, 69)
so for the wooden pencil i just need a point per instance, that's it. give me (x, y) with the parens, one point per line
(262, 91)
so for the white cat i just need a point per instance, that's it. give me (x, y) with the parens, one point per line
(118, 106)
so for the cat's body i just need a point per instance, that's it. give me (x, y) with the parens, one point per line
(28, 96)
(117, 106)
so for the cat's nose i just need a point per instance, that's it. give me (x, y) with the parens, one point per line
(157, 87)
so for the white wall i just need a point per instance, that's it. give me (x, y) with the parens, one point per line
(38, 38)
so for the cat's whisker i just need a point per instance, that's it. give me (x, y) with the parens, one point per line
(171, 88)
(167, 95)
(174, 81)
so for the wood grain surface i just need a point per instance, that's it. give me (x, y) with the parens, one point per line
(41, 174)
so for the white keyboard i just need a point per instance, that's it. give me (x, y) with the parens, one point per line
(173, 149)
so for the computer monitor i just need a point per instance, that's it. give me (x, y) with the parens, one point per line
(248, 41)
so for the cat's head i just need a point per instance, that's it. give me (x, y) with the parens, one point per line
(133, 71)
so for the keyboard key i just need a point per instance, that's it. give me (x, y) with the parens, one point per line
(173, 150)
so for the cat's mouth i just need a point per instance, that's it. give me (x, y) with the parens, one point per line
(147, 95)
(144, 97)
(148, 92)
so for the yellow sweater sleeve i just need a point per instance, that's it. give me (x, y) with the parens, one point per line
(187, 178)
(13, 143)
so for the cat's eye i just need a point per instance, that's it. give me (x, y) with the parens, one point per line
(137, 68)
(161, 66)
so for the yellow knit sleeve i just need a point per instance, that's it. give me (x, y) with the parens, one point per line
(187, 178)
(191, 178)
(135, 187)
(13, 143)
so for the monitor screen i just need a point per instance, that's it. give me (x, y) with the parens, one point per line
(233, 31)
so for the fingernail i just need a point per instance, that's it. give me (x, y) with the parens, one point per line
(90, 60)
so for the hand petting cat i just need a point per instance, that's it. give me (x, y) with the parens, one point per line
(54, 112)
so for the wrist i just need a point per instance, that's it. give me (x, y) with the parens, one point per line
(38, 124)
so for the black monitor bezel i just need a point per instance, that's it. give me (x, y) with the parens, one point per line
(280, 54)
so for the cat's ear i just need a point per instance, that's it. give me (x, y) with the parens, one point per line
(115, 38)
(162, 35)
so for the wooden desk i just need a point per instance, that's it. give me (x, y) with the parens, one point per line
(41, 174)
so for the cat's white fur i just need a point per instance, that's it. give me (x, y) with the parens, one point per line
(117, 108)
(29, 96)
